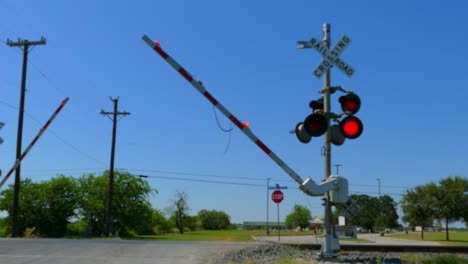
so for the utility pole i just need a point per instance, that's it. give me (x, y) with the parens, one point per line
(338, 168)
(110, 189)
(378, 180)
(25, 44)
(267, 211)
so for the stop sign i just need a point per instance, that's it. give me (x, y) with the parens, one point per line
(277, 196)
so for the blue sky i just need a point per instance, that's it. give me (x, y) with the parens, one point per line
(409, 57)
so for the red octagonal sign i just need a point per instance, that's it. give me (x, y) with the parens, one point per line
(277, 196)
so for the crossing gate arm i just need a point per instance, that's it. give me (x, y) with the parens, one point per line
(199, 86)
(41, 131)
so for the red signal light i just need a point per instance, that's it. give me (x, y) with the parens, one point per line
(350, 103)
(351, 127)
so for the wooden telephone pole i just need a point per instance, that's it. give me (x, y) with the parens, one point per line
(25, 44)
(110, 189)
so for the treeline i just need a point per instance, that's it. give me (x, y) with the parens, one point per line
(427, 205)
(67, 206)
(445, 202)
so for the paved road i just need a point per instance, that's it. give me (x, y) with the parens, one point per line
(70, 251)
(373, 238)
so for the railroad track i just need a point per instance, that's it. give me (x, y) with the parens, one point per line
(391, 248)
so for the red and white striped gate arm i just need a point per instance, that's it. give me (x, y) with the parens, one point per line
(199, 86)
(18, 161)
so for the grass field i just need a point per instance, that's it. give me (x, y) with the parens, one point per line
(208, 235)
(457, 238)
(226, 235)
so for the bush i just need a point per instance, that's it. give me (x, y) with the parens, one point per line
(5, 228)
(214, 220)
(77, 229)
(160, 224)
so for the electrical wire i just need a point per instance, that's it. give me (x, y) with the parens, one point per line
(224, 130)
(195, 174)
(53, 84)
(219, 124)
(206, 181)
(51, 131)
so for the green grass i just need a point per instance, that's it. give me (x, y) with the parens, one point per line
(227, 235)
(356, 240)
(434, 260)
(208, 235)
(457, 238)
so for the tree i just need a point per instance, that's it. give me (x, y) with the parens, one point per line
(450, 203)
(214, 220)
(418, 206)
(178, 209)
(375, 213)
(46, 207)
(29, 204)
(61, 200)
(388, 212)
(299, 217)
(131, 209)
(369, 210)
(160, 223)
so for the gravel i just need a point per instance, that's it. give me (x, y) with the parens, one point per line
(270, 253)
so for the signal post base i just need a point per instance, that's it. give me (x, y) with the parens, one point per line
(330, 246)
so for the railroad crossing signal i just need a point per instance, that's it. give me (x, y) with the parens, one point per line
(330, 57)
(316, 124)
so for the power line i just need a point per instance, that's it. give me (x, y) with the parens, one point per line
(240, 184)
(196, 174)
(53, 84)
(206, 181)
(51, 131)
(376, 193)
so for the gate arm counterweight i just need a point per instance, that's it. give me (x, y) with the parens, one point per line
(199, 86)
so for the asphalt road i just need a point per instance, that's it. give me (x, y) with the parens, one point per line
(83, 251)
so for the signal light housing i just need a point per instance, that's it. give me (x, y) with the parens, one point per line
(337, 137)
(301, 134)
(314, 125)
(350, 103)
(351, 127)
(316, 104)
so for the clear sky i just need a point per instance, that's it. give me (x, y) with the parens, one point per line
(410, 61)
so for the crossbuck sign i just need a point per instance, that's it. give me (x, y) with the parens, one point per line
(330, 57)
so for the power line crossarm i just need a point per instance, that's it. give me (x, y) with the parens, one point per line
(41, 131)
(246, 130)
